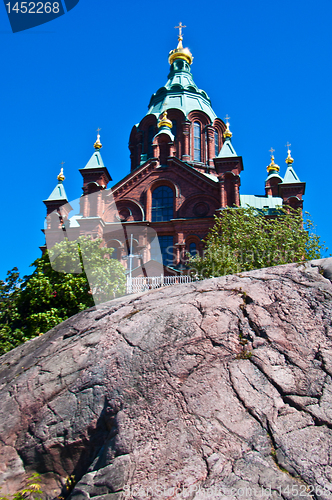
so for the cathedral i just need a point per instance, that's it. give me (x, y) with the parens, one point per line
(183, 171)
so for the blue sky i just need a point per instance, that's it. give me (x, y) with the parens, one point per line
(266, 64)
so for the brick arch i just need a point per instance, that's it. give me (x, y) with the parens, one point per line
(203, 120)
(135, 150)
(220, 127)
(200, 116)
(185, 210)
(139, 139)
(294, 202)
(117, 245)
(152, 187)
(194, 238)
(137, 210)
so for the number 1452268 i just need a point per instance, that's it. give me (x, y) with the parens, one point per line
(33, 8)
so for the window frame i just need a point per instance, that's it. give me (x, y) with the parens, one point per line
(197, 140)
(169, 208)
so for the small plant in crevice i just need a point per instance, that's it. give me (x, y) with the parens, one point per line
(274, 457)
(244, 354)
(32, 491)
(67, 488)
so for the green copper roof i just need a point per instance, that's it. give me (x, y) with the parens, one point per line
(260, 201)
(227, 149)
(95, 161)
(58, 193)
(180, 92)
(273, 173)
(165, 130)
(290, 176)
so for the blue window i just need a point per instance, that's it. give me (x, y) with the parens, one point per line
(143, 142)
(162, 204)
(174, 128)
(216, 143)
(166, 248)
(193, 249)
(197, 141)
(150, 139)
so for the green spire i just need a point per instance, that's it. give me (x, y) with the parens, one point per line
(58, 193)
(95, 161)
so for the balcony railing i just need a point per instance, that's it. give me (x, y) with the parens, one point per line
(141, 284)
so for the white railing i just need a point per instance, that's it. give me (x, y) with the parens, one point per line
(140, 284)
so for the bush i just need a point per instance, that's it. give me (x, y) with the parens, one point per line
(243, 239)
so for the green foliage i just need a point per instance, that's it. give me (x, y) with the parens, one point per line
(243, 239)
(34, 305)
(32, 491)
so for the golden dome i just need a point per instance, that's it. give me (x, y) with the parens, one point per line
(180, 52)
(289, 160)
(98, 145)
(61, 177)
(227, 132)
(164, 121)
(273, 166)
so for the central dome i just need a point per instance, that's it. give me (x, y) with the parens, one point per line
(180, 91)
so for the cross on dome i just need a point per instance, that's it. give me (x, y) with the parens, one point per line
(180, 27)
(61, 177)
(227, 134)
(98, 145)
(289, 160)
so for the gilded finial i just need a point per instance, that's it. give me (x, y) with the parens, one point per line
(164, 121)
(180, 28)
(61, 177)
(180, 52)
(227, 133)
(98, 145)
(273, 167)
(289, 160)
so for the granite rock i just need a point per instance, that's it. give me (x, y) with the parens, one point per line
(215, 389)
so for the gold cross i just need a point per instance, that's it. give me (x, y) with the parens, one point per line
(288, 145)
(272, 151)
(180, 28)
(62, 163)
(227, 118)
(98, 130)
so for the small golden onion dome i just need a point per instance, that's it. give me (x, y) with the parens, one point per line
(180, 53)
(61, 177)
(164, 121)
(227, 133)
(98, 145)
(273, 166)
(289, 160)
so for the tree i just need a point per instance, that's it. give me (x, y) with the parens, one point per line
(32, 491)
(243, 239)
(40, 301)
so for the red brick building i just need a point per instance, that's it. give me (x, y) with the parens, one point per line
(184, 169)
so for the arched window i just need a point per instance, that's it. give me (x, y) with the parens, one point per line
(142, 142)
(174, 128)
(116, 245)
(193, 249)
(150, 139)
(216, 143)
(162, 204)
(197, 141)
